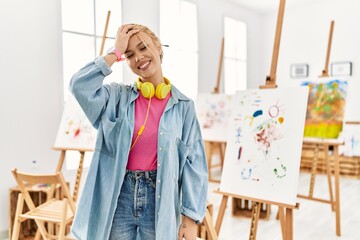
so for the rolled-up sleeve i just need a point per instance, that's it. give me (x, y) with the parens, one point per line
(194, 181)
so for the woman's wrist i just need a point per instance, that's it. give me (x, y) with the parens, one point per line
(187, 220)
(110, 59)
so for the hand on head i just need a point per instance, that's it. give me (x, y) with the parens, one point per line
(123, 35)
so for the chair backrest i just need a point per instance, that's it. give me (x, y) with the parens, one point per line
(23, 179)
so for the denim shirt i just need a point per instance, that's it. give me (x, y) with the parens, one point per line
(181, 171)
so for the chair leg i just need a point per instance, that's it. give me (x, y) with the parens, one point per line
(44, 234)
(63, 220)
(37, 235)
(19, 209)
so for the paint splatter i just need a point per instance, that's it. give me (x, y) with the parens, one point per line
(258, 113)
(281, 120)
(77, 132)
(239, 155)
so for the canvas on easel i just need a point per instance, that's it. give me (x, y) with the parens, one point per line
(213, 111)
(75, 131)
(326, 105)
(262, 158)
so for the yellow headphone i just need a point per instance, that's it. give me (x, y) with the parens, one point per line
(148, 90)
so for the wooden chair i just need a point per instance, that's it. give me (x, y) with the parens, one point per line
(53, 211)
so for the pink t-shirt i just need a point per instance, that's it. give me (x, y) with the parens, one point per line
(143, 156)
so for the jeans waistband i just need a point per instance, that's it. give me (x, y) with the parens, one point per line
(139, 173)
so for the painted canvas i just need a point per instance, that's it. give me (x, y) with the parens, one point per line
(263, 152)
(213, 111)
(75, 131)
(325, 111)
(351, 137)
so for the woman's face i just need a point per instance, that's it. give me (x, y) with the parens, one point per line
(142, 56)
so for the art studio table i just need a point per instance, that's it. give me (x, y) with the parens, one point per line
(326, 145)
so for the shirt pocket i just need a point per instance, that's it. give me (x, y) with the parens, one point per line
(110, 135)
(183, 153)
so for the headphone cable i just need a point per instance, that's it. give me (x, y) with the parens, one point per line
(142, 126)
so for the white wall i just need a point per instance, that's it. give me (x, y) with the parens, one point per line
(211, 15)
(31, 90)
(304, 40)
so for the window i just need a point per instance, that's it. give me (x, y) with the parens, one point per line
(83, 24)
(178, 29)
(235, 55)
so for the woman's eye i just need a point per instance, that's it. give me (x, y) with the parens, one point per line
(143, 48)
(129, 56)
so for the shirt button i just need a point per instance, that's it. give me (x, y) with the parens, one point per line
(160, 148)
(159, 196)
(159, 181)
(161, 133)
(158, 164)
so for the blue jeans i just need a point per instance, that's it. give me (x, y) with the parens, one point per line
(135, 212)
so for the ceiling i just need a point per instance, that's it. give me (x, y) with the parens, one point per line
(264, 6)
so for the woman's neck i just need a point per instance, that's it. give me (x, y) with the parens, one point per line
(156, 79)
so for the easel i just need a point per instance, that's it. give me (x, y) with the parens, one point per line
(80, 167)
(286, 219)
(325, 144)
(325, 72)
(105, 32)
(210, 146)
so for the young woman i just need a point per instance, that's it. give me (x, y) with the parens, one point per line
(149, 164)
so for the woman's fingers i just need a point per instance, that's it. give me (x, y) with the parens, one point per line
(123, 35)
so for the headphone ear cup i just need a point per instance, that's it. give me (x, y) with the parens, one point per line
(147, 90)
(162, 90)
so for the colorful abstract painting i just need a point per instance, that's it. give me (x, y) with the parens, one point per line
(263, 152)
(213, 111)
(75, 130)
(325, 111)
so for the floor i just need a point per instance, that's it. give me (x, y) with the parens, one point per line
(312, 221)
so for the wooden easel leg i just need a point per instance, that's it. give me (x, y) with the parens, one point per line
(78, 176)
(313, 171)
(221, 214)
(61, 161)
(328, 171)
(289, 224)
(222, 147)
(208, 149)
(282, 221)
(209, 226)
(337, 189)
(254, 220)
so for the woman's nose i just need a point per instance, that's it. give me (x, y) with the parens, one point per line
(138, 57)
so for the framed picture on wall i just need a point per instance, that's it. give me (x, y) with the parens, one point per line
(341, 69)
(300, 70)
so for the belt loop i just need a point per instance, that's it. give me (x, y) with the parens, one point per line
(147, 174)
